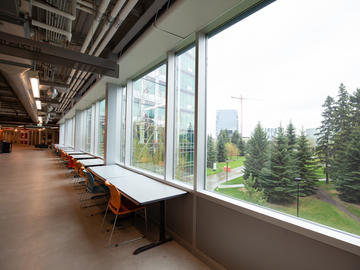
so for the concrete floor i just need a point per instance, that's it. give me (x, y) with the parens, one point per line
(43, 227)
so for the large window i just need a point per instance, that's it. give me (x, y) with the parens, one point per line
(88, 131)
(283, 111)
(185, 115)
(101, 128)
(148, 121)
(122, 125)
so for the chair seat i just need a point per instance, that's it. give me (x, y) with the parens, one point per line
(98, 189)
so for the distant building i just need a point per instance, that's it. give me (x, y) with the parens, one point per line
(227, 119)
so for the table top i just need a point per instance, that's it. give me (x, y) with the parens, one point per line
(108, 171)
(82, 156)
(74, 152)
(143, 190)
(92, 162)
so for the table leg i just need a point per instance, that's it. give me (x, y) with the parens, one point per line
(162, 237)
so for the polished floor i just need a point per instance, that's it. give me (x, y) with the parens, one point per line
(43, 227)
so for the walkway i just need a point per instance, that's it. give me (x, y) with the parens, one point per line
(212, 181)
(42, 226)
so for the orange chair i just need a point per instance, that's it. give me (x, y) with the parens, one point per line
(120, 206)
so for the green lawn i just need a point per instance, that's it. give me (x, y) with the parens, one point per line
(238, 180)
(311, 209)
(236, 162)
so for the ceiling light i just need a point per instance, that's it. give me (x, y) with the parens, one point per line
(40, 119)
(38, 104)
(34, 80)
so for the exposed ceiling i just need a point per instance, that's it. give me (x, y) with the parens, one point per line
(100, 29)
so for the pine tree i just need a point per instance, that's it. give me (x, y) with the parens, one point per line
(291, 136)
(235, 137)
(220, 148)
(256, 154)
(241, 146)
(224, 133)
(307, 165)
(211, 153)
(355, 108)
(348, 182)
(325, 134)
(342, 129)
(291, 141)
(277, 179)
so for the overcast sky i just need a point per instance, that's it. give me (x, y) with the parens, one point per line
(285, 60)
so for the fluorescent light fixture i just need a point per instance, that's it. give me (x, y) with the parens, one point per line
(35, 87)
(38, 104)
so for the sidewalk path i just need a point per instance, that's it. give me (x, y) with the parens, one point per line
(212, 181)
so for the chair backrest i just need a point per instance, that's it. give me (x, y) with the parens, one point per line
(115, 198)
(90, 180)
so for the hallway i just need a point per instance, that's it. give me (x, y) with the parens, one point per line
(42, 226)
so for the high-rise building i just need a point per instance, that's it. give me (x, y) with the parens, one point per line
(227, 119)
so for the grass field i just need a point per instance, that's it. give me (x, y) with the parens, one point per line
(238, 180)
(236, 162)
(312, 209)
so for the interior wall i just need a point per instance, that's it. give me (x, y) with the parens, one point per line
(238, 241)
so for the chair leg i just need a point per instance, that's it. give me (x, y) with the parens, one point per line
(112, 231)
(146, 222)
(103, 221)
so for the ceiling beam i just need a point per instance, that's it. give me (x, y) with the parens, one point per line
(141, 22)
(46, 53)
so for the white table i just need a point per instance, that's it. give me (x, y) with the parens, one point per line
(92, 162)
(142, 190)
(82, 156)
(105, 172)
(72, 152)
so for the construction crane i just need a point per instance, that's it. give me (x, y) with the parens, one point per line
(241, 98)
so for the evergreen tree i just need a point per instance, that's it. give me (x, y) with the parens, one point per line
(235, 137)
(211, 153)
(220, 148)
(291, 136)
(325, 134)
(355, 108)
(224, 133)
(241, 146)
(348, 182)
(291, 141)
(256, 154)
(277, 178)
(307, 165)
(342, 129)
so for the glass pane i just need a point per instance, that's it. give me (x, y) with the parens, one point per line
(185, 116)
(88, 130)
(101, 128)
(283, 111)
(122, 125)
(148, 121)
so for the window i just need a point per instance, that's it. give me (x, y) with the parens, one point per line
(122, 125)
(88, 131)
(148, 121)
(283, 111)
(101, 128)
(185, 115)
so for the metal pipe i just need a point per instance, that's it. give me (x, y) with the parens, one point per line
(73, 12)
(102, 8)
(86, 4)
(122, 16)
(51, 28)
(85, 9)
(53, 10)
(115, 26)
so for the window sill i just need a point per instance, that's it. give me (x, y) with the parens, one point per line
(342, 240)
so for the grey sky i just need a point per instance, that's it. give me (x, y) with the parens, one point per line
(286, 59)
